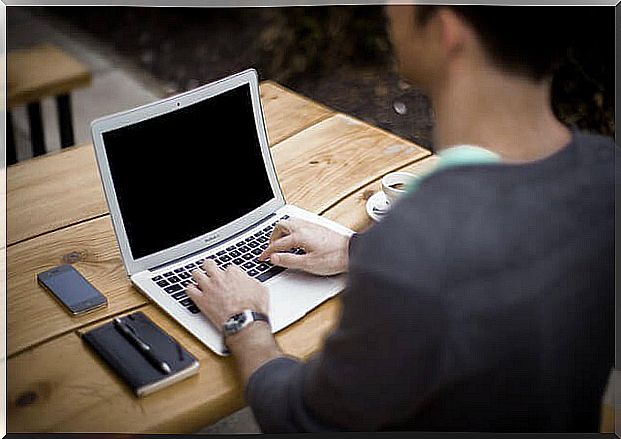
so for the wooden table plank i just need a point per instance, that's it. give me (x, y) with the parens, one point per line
(42, 71)
(92, 398)
(287, 112)
(94, 249)
(352, 210)
(33, 315)
(53, 191)
(89, 397)
(318, 167)
(338, 155)
(3, 266)
(63, 188)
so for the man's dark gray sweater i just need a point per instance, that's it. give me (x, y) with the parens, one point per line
(483, 302)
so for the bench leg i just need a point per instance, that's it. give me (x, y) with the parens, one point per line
(36, 128)
(11, 148)
(63, 103)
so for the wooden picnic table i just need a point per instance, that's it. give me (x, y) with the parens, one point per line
(327, 162)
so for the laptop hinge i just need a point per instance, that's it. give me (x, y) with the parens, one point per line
(252, 226)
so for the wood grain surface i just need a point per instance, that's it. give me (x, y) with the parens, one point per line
(88, 396)
(3, 289)
(53, 191)
(328, 161)
(352, 210)
(348, 155)
(56, 384)
(42, 71)
(287, 112)
(63, 188)
(33, 315)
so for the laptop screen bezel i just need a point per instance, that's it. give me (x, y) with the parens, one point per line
(164, 106)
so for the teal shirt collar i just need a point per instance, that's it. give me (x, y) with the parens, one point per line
(460, 155)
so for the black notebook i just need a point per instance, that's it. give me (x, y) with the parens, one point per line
(131, 364)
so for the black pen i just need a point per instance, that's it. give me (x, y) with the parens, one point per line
(142, 347)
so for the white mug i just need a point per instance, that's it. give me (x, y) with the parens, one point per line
(395, 185)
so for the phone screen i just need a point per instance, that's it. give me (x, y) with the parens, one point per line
(71, 288)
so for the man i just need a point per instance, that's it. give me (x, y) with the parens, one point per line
(484, 300)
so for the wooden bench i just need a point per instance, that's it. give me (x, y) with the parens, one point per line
(37, 73)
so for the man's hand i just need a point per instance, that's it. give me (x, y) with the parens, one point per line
(326, 251)
(223, 293)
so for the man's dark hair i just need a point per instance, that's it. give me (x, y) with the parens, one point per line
(527, 40)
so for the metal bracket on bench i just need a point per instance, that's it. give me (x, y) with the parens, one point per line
(11, 147)
(63, 104)
(36, 128)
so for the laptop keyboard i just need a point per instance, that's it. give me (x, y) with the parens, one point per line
(242, 253)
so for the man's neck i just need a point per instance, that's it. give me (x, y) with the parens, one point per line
(506, 114)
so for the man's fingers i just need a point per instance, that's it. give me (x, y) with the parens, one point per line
(193, 291)
(200, 278)
(288, 260)
(282, 228)
(236, 269)
(198, 297)
(210, 267)
(280, 245)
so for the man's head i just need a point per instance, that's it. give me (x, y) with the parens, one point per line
(431, 40)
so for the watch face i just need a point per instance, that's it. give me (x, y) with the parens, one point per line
(235, 322)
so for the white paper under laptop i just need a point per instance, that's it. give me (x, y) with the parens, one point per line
(191, 177)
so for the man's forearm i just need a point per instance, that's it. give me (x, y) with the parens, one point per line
(253, 347)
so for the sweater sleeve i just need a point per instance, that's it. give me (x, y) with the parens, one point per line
(274, 393)
(375, 367)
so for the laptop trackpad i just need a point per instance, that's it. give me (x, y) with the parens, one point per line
(294, 293)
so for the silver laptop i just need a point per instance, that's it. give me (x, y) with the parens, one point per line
(191, 177)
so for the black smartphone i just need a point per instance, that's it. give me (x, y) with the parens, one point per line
(70, 288)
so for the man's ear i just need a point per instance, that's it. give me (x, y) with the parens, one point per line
(453, 32)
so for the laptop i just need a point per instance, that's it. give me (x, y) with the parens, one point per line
(190, 178)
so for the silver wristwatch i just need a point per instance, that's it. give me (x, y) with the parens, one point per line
(239, 321)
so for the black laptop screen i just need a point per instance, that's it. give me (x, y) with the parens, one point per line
(185, 173)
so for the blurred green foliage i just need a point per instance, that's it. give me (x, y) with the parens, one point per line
(306, 47)
(297, 40)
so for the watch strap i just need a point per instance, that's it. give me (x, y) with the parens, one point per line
(260, 317)
(239, 321)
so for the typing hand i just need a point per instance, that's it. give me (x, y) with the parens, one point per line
(223, 293)
(326, 252)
